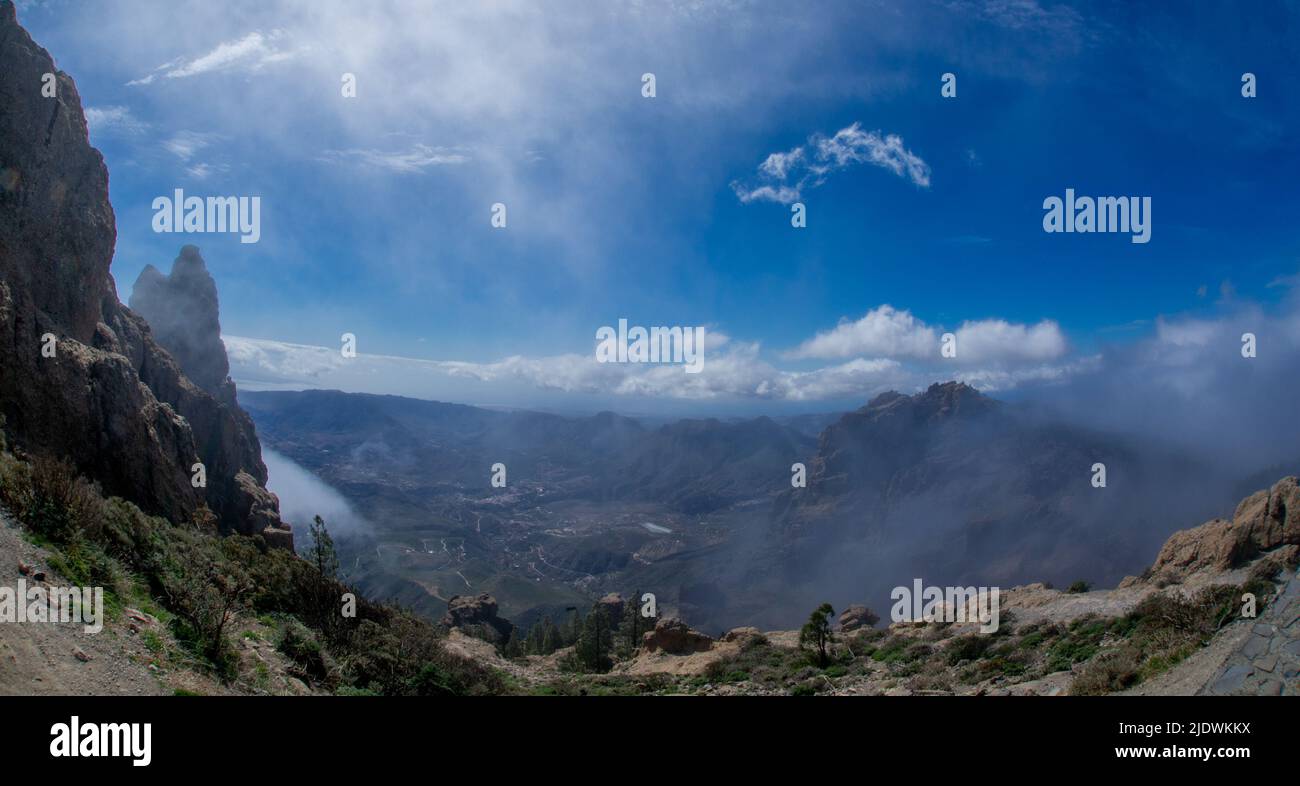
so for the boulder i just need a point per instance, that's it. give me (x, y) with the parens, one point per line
(855, 617)
(746, 637)
(477, 616)
(675, 637)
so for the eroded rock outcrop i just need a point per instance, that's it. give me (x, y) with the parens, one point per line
(108, 398)
(855, 617)
(477, 615)
(184, 315)
(1264, 521)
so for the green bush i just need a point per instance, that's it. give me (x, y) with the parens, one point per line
(299, 644)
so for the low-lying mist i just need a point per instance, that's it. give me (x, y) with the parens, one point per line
(303, 495)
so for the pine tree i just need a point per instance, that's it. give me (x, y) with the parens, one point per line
(630, 629)
(323, 611)
(575, 629)
(514, 647)
(534, 643)
(550, 637)
(322, 553)
(595, 641)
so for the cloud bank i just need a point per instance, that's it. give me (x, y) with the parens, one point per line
(887, 349)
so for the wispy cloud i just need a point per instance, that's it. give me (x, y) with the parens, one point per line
(250, 52)
(783, 176)
(203, 170)
(186, 144)
(415, 159)
(1059, 20)
(114, 119)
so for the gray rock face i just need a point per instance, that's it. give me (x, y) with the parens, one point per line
(110, 399)
(183, 313)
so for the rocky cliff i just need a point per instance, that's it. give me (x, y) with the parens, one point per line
(1265, 521)
(84, 378)
(183, 313)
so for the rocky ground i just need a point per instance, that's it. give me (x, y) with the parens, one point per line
(1052, 642)
(1266, 661)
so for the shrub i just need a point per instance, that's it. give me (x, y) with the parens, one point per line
(52, 500)
(1108, 672)
(205, 594)
(968, 647)
(299, 644)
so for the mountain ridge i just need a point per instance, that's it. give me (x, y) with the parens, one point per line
(109, 398)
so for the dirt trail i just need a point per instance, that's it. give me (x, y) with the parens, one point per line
(134, 655)
(41, 658)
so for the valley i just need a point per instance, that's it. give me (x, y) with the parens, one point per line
(949, 485)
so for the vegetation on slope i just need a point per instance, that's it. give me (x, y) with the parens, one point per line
(205, 582)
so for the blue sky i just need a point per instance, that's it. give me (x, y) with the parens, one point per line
(375, 209)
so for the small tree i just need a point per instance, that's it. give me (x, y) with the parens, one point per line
(816, 633)
(322, 553)
(206, 595)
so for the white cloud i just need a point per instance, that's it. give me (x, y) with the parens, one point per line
(996, 340)
(250, 52)
(733, 370)
(1187, 332)
(782, 177)
(114, 119)
(852, 145)
(202, 170)
(416, 159)
(186, 144)
(890, 332)
(882, 331)
(778, 165)
(994, 380)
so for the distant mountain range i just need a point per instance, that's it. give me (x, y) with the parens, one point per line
(947, 485)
